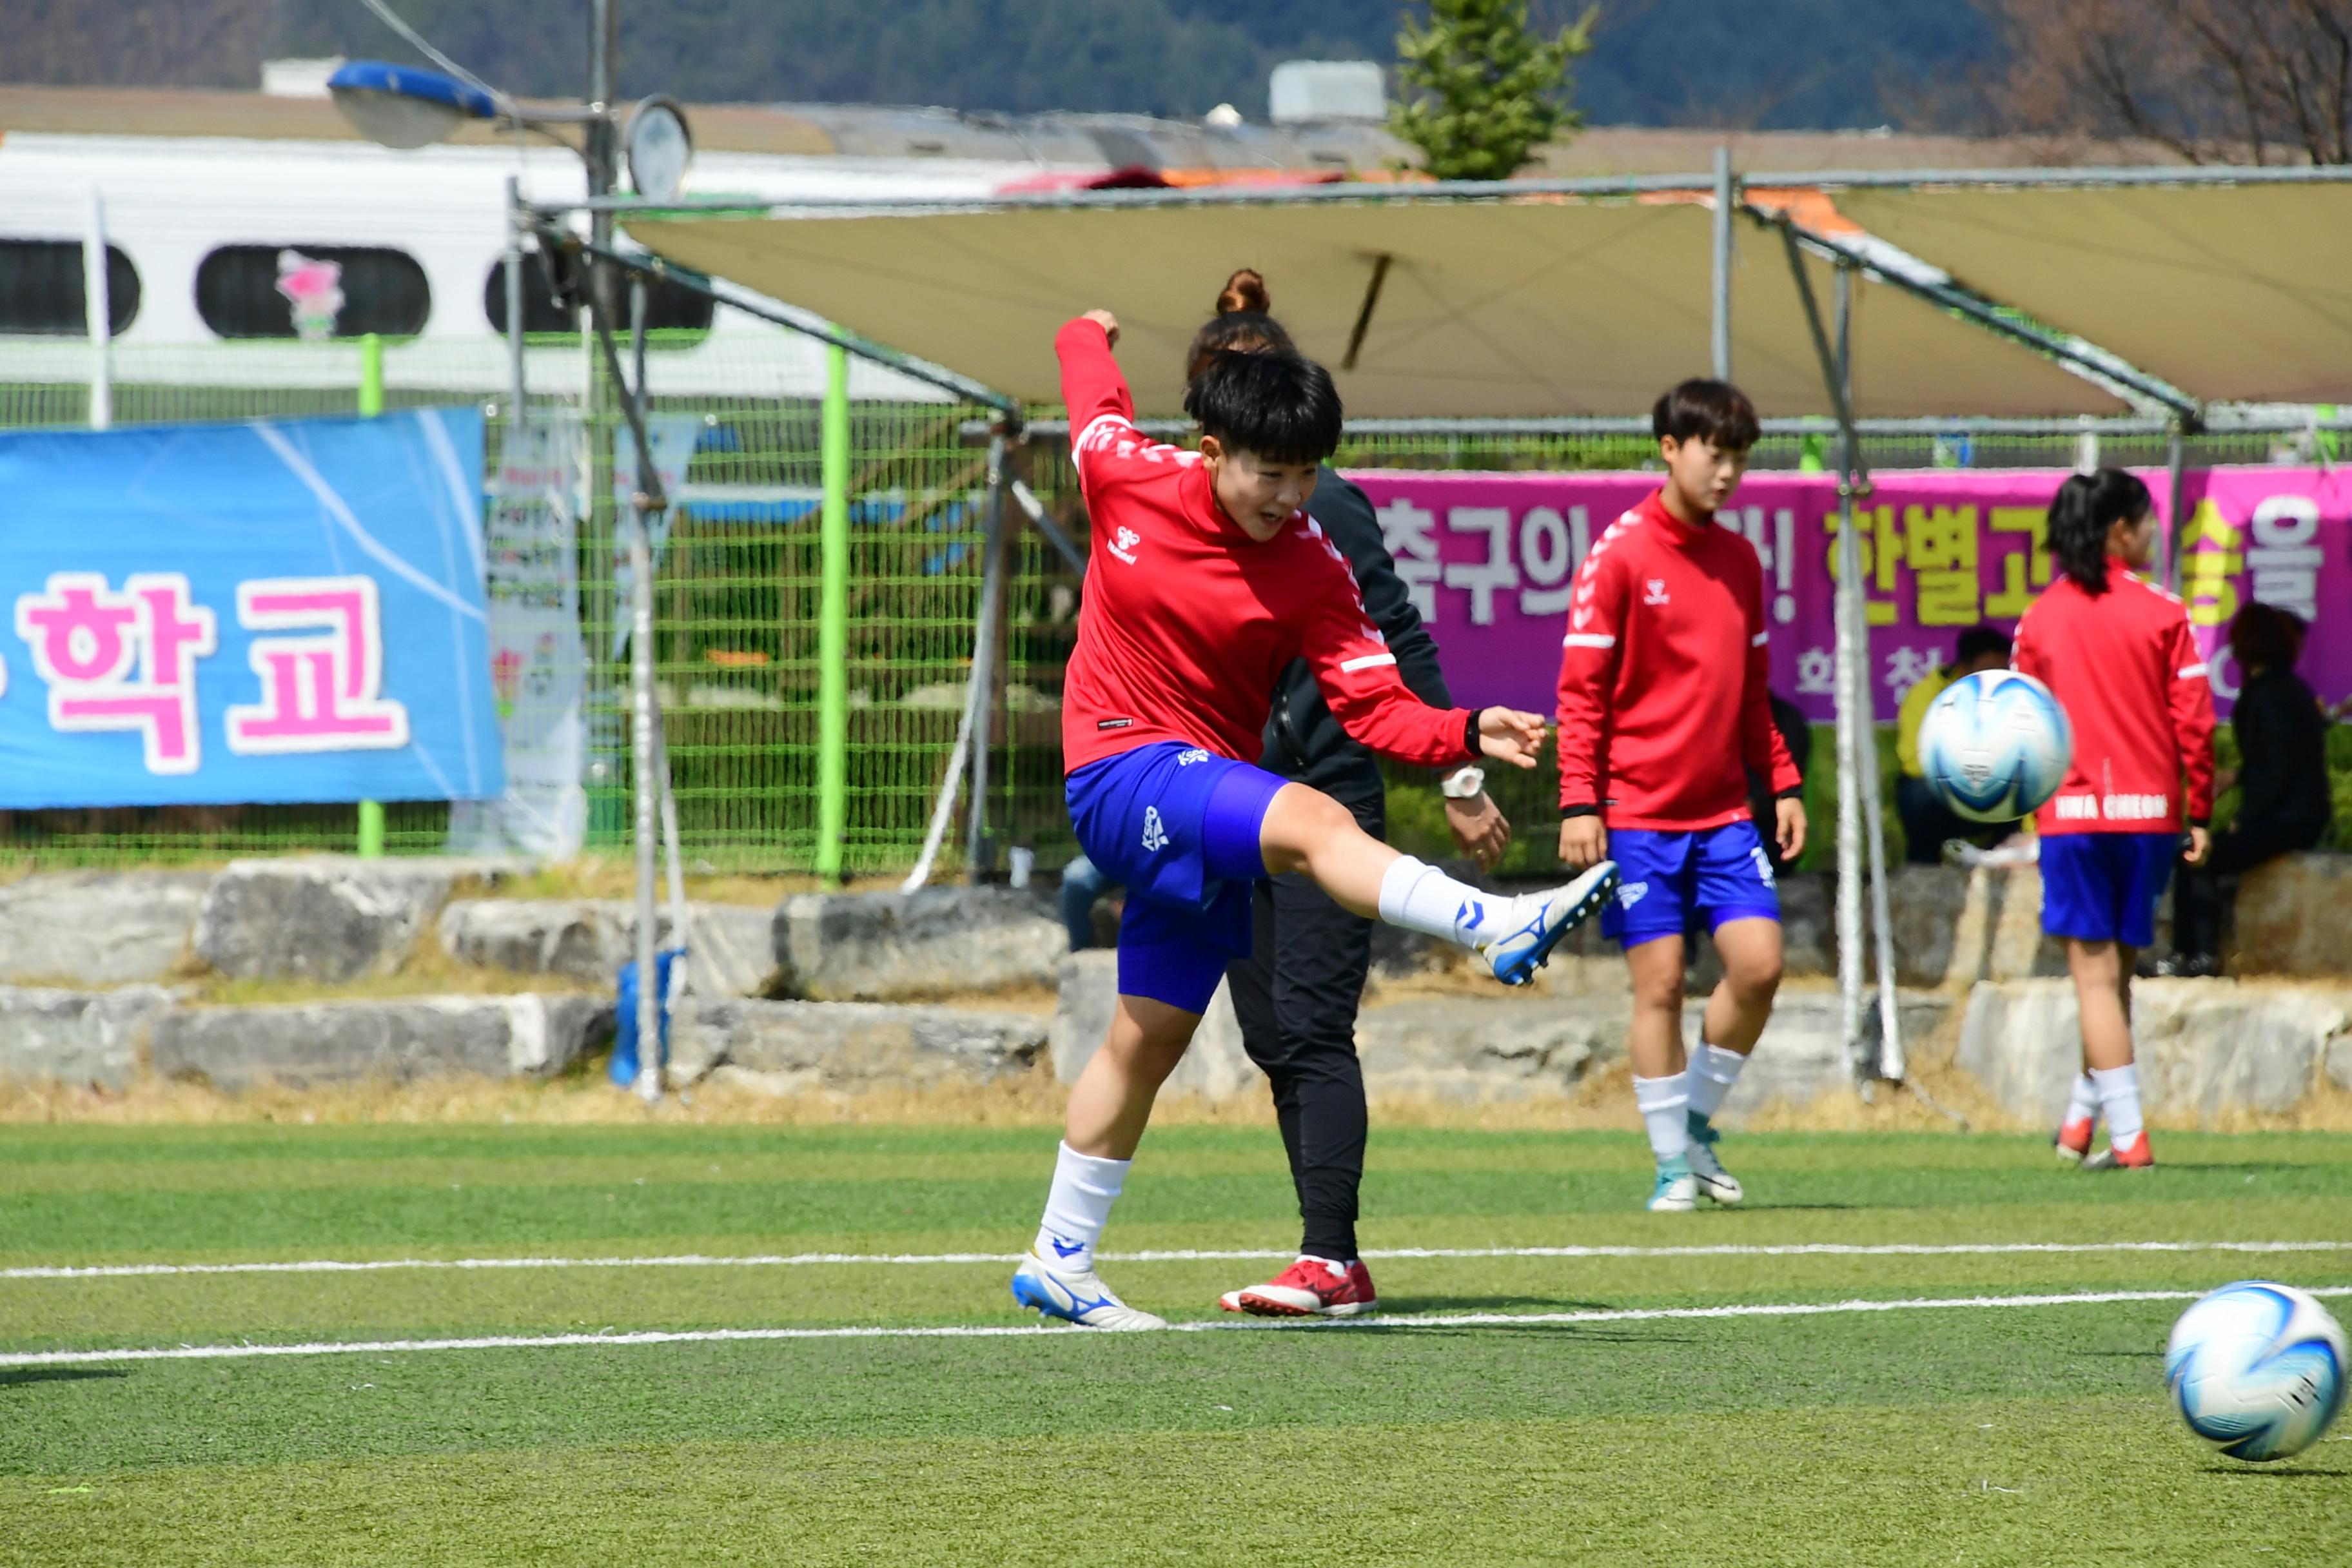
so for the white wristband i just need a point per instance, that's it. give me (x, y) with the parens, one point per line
(1464, 783)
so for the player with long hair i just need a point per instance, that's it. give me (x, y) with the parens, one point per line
(1207, 579)
(1665, 708)
(2118, 653)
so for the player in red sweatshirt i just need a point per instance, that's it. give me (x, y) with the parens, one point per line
(2118, 653)
(1207, 579)
(1662, 708)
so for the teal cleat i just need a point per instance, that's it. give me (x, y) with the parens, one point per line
(1534, 923)
(1677, 1189)
(1706, 1171)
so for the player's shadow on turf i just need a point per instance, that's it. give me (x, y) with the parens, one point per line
(1489, 1303)
(16, 1377)
(1582, 1334)
(2299, 1474)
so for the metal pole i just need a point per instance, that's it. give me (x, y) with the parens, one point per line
(984, 663)
(648, 791)
(371, 822)
(2176, 457)
(1849, 619)
(99, 313)
(517, 216)
(1723, 199)
(833, 619)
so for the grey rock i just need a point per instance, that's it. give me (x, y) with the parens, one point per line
(1475, 1050)
(936, 941)
(78, 1037)
(341, 1042)
(2205, 1048)
(1214, 1067)
(1801, 1057)
(328, 917)
(2339, 1061)
(2289, 918)
(98, 928)
(590, 938)
(792, 1046)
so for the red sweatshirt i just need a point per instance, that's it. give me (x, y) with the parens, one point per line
(1188, 622)
(2129, 674)
(1663, 693)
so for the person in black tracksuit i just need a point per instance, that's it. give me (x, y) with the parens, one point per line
(1297, 995)
(2283, 768)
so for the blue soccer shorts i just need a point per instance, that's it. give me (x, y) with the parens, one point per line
(1669, 880)
(2103, 887)
(1179, 825)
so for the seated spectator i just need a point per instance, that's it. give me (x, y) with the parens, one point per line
(1082, 884)
(1926, 821)
(2283, 766)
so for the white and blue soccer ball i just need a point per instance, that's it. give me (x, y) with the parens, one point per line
(1995, 745)
(2257, 1369)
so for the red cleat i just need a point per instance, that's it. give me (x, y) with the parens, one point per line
(1310, 1288)
(2074, 1139)
(2132, 1154)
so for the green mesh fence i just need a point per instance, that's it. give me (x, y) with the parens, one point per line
(739, 583)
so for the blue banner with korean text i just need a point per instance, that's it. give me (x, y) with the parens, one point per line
(279, 611)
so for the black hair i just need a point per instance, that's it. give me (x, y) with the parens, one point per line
(1240, 324)
(1281, 406)
(1977, 641)
(1715, 411)
(2085, 508)
(2266, 635)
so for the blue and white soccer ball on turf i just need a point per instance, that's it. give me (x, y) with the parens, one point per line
(2257, 1369)
(1995, 745)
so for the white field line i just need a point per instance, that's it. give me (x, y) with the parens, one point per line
(1007, 1331)
(902, 1259)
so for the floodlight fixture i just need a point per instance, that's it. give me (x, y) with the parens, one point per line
(658, 147)
(405, 106)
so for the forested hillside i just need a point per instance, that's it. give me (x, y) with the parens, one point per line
(1746, 63)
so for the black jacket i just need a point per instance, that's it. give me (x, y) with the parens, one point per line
(1303, 739)
(2283, 750)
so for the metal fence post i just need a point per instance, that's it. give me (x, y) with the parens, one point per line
(99, 313)
(833, 621)
(371, 824)
(984, 655)
(1724, 198)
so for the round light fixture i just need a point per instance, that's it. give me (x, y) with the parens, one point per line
(660, 147)
(404, 107)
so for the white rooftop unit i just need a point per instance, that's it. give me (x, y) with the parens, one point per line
(1327, 90)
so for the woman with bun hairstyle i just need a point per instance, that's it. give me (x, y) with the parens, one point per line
(1297, 992)
(2118, 653)
(1207, 578)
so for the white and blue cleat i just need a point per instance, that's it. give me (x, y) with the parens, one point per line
(1677, 1189)
(1707, 1172)
(1078, 1298)
(1534, 923)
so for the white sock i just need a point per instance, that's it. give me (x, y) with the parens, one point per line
(1419, 897)
(1713, 1071)
(2083, 1104)
(2119, 1099)
(1665, 1105)
(1077, 1207)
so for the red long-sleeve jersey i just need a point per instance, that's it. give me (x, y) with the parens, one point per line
(2126, 668)
(1662, 678)
(1188, 622)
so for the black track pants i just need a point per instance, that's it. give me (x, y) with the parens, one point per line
(1296, 997)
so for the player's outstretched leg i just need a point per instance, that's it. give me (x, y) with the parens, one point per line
(1306, 830)
(1735, 1018)
(1109, 1106)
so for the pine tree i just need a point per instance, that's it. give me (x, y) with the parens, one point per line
(1482, 89)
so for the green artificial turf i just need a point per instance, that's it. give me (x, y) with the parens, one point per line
(1961, 1434)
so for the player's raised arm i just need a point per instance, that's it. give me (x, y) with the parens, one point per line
(1092, 389)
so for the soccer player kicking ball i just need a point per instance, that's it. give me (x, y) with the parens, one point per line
(1662, 707)
(1207, 578)
(2118, 654)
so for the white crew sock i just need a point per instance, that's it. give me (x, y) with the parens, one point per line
(2083, 1104)
(1665, 1105)
(1077, 1207)
(2119, 1099)
(1419, 897)
(1713, 1071)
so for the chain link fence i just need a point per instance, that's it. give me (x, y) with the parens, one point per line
(738, 584)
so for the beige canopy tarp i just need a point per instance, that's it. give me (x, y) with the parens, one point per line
(2231, 292)
(1519, 306)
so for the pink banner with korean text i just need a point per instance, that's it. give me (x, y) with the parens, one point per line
(1489, 559)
